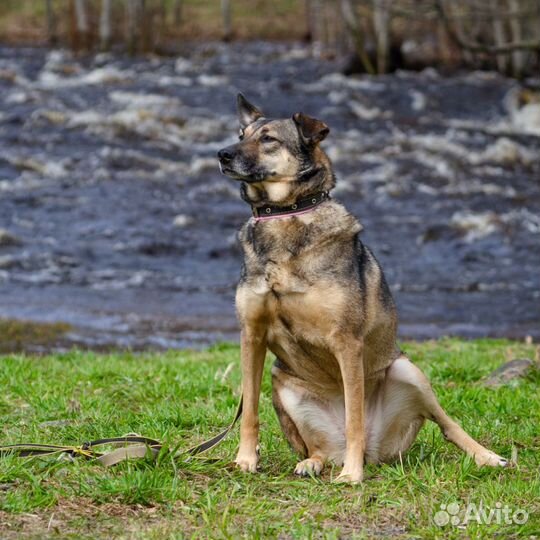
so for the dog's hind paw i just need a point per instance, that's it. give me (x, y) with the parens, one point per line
(309, 467)
(490, 459)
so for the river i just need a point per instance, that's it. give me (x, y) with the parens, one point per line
(114, 216)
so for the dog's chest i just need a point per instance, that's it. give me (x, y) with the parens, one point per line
(274, 289)
(288, 298)
(281, 278)
(276, 259)
(289, 278)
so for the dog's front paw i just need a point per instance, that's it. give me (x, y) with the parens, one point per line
(248, 462)
(309, 467)
(490, 459)
(350, 476)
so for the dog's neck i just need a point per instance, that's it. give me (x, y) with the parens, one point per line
(276, 194)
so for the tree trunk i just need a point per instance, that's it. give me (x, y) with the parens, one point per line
(178, 12)
(516, 29)
(51, 22)
(133, 12)
(226, 14)
(455, 33)
(499, 36)
(160, 26)
(81, 18)
(309, 20)
(162, 14)
(317, 28)
(357, 34)
(381, 23)
(105, 31)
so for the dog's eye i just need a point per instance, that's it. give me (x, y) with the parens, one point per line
(267, 139)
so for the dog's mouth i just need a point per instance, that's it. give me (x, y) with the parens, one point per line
(227, 170)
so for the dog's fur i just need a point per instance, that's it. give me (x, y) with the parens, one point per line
(314, 295)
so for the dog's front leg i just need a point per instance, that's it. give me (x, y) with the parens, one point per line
(350, 359)
(253, 351)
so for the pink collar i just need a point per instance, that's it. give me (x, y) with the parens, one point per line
(289, 214)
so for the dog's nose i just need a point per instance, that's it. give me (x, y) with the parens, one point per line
(225, 155)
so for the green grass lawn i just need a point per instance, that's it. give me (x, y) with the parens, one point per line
(183, 397)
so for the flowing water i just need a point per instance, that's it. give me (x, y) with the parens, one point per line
(114, 216)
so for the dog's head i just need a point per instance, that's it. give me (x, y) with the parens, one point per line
(274, 151)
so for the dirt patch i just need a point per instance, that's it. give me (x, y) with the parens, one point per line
(389, 524)
(83, 518)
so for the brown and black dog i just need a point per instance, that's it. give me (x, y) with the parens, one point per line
(316, 297)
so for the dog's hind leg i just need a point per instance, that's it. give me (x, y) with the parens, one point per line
(316, 430)
(397, 412)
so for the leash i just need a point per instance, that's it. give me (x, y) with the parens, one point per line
(132, 446)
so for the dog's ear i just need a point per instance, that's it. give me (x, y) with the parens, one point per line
(311, 130)
(247, 113)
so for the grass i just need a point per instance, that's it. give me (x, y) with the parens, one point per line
(183, 397)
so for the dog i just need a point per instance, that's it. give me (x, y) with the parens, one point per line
(315, 296)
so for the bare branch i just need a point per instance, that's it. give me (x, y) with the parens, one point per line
(533, 45)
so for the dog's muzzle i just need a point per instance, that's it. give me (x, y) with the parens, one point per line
(228, 162)
(226, 155)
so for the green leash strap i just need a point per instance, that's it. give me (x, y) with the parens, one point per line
(134, 446)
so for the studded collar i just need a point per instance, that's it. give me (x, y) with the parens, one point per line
(300, 206)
